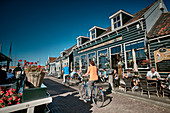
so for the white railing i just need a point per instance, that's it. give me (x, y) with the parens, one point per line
(26, 105)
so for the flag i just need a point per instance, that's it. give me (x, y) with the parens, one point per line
(10, 50)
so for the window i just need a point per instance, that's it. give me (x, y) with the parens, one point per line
(116, 21)
(83, 62)
(79, 41)
(77, 63)
(91, 56)
(139, 53)
(102, 59)
(93, 34)
(116, 50)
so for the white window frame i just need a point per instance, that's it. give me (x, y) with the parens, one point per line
(79, 41)
(92, 34)
(114, 53)
(81, 62)
(112, 21)
(138, 40)
(88, 63)
(98, 57)
(75, 61)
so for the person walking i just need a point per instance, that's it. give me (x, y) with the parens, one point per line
(92, 70)
(65, 72)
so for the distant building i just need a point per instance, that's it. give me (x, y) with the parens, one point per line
(65, 58)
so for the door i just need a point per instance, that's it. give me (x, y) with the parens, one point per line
(114, 60)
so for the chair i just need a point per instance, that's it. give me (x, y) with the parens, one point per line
(166, 89)
(128, 84)
(149, 87)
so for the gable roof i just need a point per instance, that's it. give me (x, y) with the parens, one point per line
(51, 59)
(161, 27)
(136, 16)
(139, 14)
(69, 50)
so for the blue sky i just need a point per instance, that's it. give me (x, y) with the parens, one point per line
(42, 28)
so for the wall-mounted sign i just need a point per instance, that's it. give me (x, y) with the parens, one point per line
(162, 60)
(102, 44)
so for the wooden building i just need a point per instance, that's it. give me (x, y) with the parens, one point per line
(159, 43)
(121, 46)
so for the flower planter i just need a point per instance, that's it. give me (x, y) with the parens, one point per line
(36, 78)
(34, 93)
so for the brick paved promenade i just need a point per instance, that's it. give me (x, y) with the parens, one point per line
(66, 100)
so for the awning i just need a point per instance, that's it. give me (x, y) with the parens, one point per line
(4, 58)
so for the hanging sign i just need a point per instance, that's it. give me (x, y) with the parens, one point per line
(162, 60)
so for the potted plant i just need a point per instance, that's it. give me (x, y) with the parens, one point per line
(35, 75)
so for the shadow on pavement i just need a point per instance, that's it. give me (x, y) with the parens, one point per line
(107, 99)
(65, 99)
(55, 88)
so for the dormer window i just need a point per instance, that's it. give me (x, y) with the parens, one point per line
(119, 19)
(96, 31)
(93, 34)
(78, 41)
(81, 40)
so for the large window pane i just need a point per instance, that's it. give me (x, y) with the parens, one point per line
(77, 64)
(140, 56)
(84, 62)
(91, 56)
(129, 59)
(102, 57)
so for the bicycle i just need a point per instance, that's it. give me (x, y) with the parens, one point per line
(97, 94)
(67, 80)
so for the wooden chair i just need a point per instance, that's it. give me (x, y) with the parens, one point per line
(148, 87)
(166, 89)
(128, 84)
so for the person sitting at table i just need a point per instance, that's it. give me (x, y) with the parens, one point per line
(125, 76)
(72, 74)
(9, 74)
(167, 84)
(135, 79)
(152, 74)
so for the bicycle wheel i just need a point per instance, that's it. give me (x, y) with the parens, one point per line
(82, 91)
(98, 97)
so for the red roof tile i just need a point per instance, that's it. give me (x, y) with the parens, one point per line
(161, 27)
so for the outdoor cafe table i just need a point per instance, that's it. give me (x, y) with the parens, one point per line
(159, 81)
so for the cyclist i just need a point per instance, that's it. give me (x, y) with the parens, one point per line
(66, 72)
(92, 70)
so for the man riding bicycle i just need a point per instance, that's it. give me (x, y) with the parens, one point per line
(92, 70)
(65, 72)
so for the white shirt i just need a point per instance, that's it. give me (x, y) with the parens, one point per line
(151, 75)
